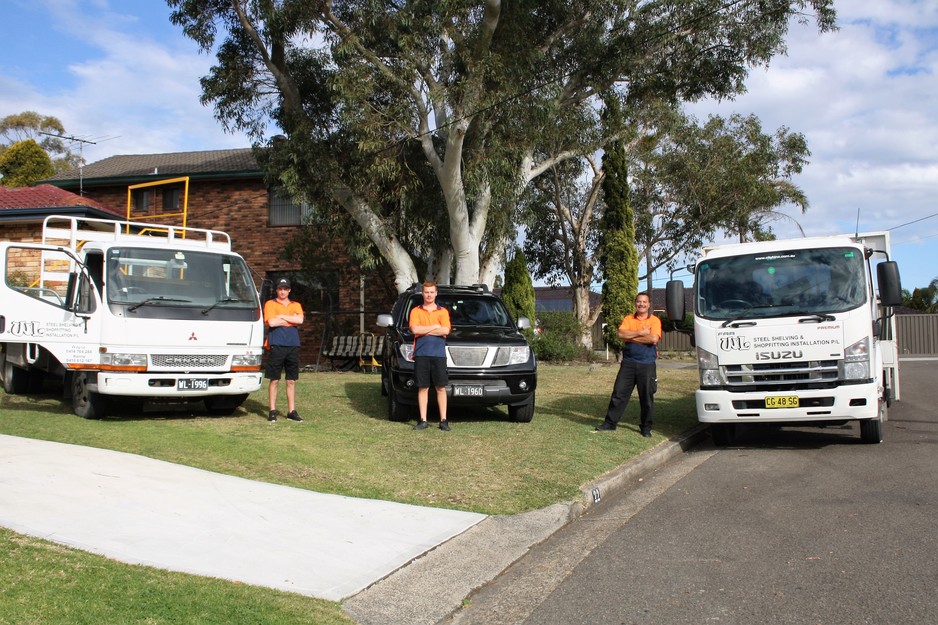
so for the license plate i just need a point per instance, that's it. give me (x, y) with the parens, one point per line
(192, 384)
(782, 401)
(468, 391)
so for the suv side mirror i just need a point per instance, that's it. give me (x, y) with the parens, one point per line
(385, 320)
(524, 323)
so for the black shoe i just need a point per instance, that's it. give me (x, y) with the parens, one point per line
(605, 427)
(272, 415)
(444, 425)
(292, 416)
(646, 433)
(421, 425)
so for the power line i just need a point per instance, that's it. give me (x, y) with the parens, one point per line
(912, 222)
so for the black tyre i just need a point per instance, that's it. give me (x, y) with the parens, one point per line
(523, 413)
(15, 380)
(396, 410)
(86, 403)
(871, 430)
(223, 405)
(722, 433)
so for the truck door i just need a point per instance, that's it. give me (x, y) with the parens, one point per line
(48, 300)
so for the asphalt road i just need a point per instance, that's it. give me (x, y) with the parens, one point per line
(788, 526)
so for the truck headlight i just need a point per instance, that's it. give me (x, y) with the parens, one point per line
(246, 361)
(857, 360)
(407, 351)
(122, 361)
(515, 355)
(709, 367)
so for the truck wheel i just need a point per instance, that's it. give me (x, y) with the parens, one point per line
(722, 433)
(871, 430)
(523, 413)
(223, 405)
(15, 380)
(86, 403)
(396, 410)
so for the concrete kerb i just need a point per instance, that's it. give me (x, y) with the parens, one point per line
(432, 587)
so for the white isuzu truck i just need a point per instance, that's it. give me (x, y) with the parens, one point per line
(131, 310)
(794, 332)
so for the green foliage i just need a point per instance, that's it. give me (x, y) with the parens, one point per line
(669, 326)
(518, 292)
(559, 340)
(23, 164)
(617, 255)
(424, 121)
(32, 125)
(924, 299)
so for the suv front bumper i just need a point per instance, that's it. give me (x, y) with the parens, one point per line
(464, 388)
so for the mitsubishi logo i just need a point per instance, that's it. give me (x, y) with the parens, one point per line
(193, 337)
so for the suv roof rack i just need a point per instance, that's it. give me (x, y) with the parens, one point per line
(416, 287)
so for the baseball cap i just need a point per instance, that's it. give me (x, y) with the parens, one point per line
(283, 282)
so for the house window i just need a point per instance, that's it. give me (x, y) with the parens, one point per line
(172, 200)
(142, 199)
(284, 211)
(316, 291)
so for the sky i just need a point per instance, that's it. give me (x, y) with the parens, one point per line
(124, 79)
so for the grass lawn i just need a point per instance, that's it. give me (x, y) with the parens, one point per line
(346, 446)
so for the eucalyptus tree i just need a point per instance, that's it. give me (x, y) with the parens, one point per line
(47, 131)
(485, 94)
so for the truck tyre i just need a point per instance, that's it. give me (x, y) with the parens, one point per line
(223, 405)
(86, 403)
(722, 433)
(871, 430)
(523, 413)
(15, 380)
(396, 410)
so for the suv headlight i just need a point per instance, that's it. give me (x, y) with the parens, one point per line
(515, 355)
(709, 367)
(407, 351)
(857, 360)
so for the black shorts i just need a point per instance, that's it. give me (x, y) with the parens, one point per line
(430, 371)
(283, 358)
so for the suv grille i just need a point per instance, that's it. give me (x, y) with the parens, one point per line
(190, 361)
(467, 356)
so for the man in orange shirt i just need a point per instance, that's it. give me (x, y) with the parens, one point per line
(283, 316)
(430, 324)
(641, 333)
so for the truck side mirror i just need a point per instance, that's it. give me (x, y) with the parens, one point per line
(887, 279)
(70, 291)
(674, 300)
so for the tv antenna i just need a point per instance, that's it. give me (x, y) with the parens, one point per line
(81, 159)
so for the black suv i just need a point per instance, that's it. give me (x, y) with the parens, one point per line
(488, 359)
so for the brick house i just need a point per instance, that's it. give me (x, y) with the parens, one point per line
(225, 190)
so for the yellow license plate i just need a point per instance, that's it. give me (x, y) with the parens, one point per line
(782, 401)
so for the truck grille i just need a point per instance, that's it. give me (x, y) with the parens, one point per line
(467, 356)
(189, 361)
(782, 375)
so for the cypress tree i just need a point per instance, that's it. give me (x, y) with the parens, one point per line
(518, 292)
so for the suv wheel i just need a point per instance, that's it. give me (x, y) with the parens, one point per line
(396, 410)
(523, 413)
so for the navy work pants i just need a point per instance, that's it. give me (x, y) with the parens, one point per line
(632, 375)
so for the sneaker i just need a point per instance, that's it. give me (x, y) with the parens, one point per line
(292, 416)
(444, 425)
(605, 427)
(272, 415)
(421, 425)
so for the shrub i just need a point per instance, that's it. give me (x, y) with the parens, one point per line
(559, 338)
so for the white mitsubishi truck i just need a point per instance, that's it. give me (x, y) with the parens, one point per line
(131, 310)
(794, 332)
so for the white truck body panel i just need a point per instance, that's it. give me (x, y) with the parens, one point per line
(803, 353)
(174, 315)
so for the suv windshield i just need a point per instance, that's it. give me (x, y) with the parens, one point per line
(791, 282)
(471, 310)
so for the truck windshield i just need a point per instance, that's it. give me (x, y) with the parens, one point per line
(753, 286)
(167, 277)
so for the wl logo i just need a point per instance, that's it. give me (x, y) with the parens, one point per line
(733, 344)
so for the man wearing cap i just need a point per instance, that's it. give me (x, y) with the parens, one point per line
(283, 316)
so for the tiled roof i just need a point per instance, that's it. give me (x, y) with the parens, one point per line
(178, 163)
(43, 196)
